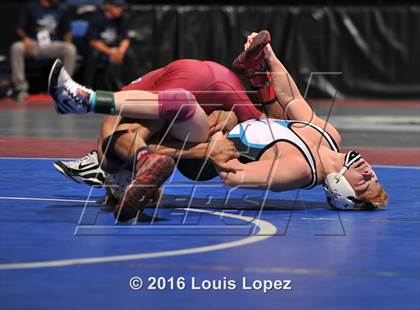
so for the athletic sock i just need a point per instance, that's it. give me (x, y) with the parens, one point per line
(102, 102)
(92, 102)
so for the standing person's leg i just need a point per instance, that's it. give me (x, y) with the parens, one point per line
(112, 77)
(17, 63)
(91, 65)
(130, 68)
(63, 50)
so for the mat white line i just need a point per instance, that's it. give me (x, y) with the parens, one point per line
(46, 199)
(266, 230)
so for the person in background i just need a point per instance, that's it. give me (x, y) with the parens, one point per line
(44, 30)
(108, 38)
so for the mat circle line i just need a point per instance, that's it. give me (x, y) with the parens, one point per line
(266, 230)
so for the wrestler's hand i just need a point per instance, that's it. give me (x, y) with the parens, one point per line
(221, 150)
(222, 121)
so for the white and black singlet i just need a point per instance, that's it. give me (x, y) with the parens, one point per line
(253, 137)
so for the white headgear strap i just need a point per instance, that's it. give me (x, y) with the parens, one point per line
(339, 192)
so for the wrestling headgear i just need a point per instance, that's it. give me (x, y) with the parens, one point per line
(340, 194)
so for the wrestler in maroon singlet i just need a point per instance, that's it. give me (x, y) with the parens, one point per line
(214, 86)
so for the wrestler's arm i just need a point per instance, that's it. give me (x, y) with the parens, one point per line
(222, 121)
(219, 121)
(277, 175)
(176, 148)
(219, 151)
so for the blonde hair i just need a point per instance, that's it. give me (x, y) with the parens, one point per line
(373, 201)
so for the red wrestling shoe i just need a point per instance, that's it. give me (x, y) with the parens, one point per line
(263, 95)
(151, 171)
(251, 62)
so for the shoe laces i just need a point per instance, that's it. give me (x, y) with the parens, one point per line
(87, 158)
(76, 91)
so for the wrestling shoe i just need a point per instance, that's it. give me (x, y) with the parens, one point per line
(251, 62)
(151, 171)
(69, 96)
(85, 170)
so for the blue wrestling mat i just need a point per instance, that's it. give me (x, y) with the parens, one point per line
(60, 247)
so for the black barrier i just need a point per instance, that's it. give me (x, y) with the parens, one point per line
(363, 51)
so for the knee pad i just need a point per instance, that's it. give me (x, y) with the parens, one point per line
(178, 103)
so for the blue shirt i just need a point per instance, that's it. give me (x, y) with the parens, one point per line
(110, 31)
(35, 17)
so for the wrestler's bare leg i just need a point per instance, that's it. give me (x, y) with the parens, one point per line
(290, 98)
(145, 105)
(176, 107)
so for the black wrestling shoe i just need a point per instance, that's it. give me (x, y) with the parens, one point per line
(85, 170)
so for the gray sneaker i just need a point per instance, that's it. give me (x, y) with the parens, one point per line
(85, 170)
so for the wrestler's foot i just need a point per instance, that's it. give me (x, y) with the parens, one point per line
(86, 170)
(69, 96)
(152, 170)
(251, 62)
